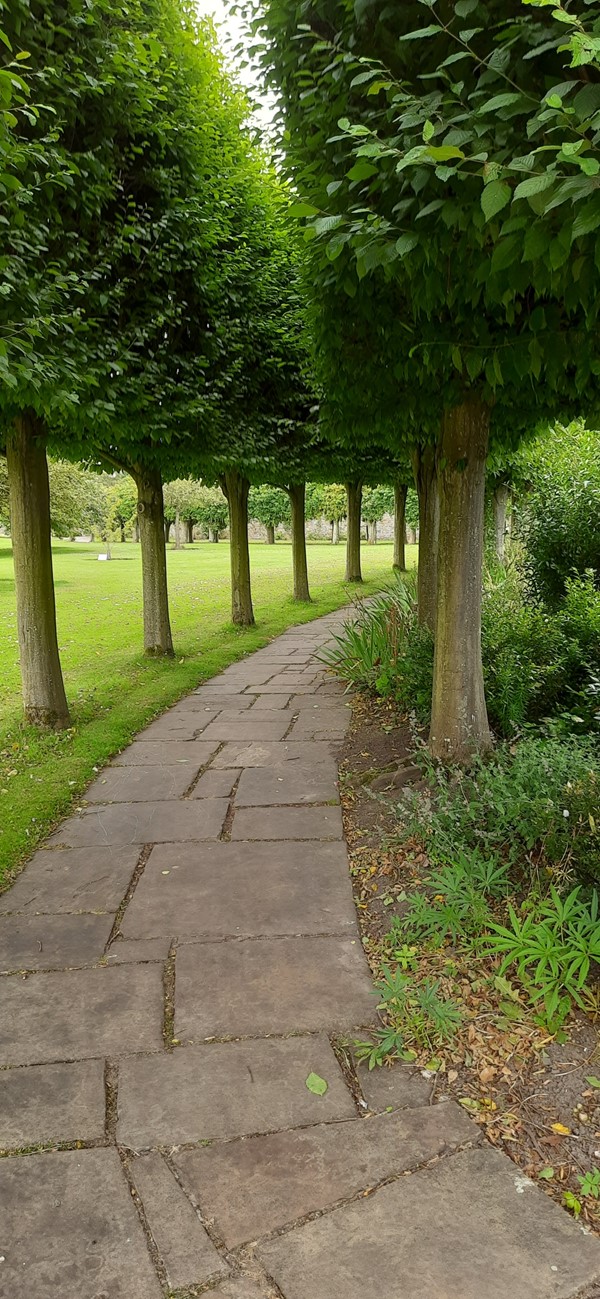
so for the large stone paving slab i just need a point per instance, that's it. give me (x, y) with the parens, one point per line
(80, 1013)
(51, 1102)
(73, 879)
(228, 1089)
(141, 784)
(263, 754)
(263, 787)
(186, 1249)
(464, 1229)
(229, 889)
(251, 729)
(216, 784)
(184, 726)
(253, 1187)
(52, 942)
(175, 821)
(401, 1086)
(70, 1229)
(271, 986)
(146, 753)
(287, 823)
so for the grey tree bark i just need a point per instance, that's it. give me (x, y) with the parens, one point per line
(459, 721)
(500, 503)
(44, 698)
(158, 641)
(335, 532)
(270, 534)
(426, 482)
(297, 495)
(236, 488)
(353, 569)
(400, 494)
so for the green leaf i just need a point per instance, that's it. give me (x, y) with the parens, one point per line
(428, 131)
(546, 1173)
(302, 210)
(405, 244)
(434, 29)
(494, 197)
(535, 184)
(316, 1085)
(324, 224)
(593, 1080)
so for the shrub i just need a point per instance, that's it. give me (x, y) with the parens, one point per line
(560, 511)
(416, 1014)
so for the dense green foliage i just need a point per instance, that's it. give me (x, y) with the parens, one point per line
(269, 506)
(560, 507)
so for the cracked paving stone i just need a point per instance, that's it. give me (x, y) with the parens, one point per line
(283, 823)
(264, 787)
(52, 942)
(70, 1229)
(81, 1013)
(243, 1287)
(151, 753)
(250, 729)
(266, 985)
(150, 949)
(465, 1228)
(211, 890)
(50, 1103)
(141, 784)
(70, 880)
(174, 821)
(186, 1250)
(216, 784)
(255, 1186)
(262, 754)
(226, 1089)
(399, 1085)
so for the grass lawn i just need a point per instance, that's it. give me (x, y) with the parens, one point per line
(112, 689)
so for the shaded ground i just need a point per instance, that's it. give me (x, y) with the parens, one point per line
(516, 1082)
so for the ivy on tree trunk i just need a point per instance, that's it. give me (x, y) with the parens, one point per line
(426, 483)
(236, 488)
(459, 722)
(400, 494)
(44, 696)
(158, 640)
(353, 570)
(297, 495)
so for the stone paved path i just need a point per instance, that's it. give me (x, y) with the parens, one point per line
(176, 962)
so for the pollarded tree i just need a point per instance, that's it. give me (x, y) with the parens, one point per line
(376, 502)
(122, 504)
(269, 506)
(499, 329)
(212, 511)
(181, 502)
(335, 508)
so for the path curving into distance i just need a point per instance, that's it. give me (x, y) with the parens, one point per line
(177, 961)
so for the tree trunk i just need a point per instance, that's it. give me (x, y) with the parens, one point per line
(236, 489)
(354, 492)
(43, 689)
(426, 483)
(158, 641)
(167, 531)
(459, 722)
(297, 495)
(178, 541)
(400, 494)
(373, 532)
(190, 530)
(500, 502)
(335, 532)
(270, 534)
(136, 529)
(411, 535)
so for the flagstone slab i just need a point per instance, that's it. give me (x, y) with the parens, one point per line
(70, 1229)
(80, 1013)
(185, 1248)
(210, 703)
(182, 727)
(467, 1227)
(146, 753)
(266, 703)
(251, 729)
(399, 1085)
(283, 687)
(267, 985)
(311, 722)
(288, 823)
(264, 754)
(216, 784)
(228, 1089)
(138, 951)
(52, 942)
(264, 787)
(72, 879)
(243, 1287)
(231, 889)
(258, 1185)
(141, 784)
(171, 821)
(51, 1103)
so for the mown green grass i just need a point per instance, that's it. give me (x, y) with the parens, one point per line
(113, 690)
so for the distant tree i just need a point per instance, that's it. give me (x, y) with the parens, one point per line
(335, 508)
(314, 501)
(269, 506)
(122, 504)
(182, 499)
(212, 511)
(376, 502)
